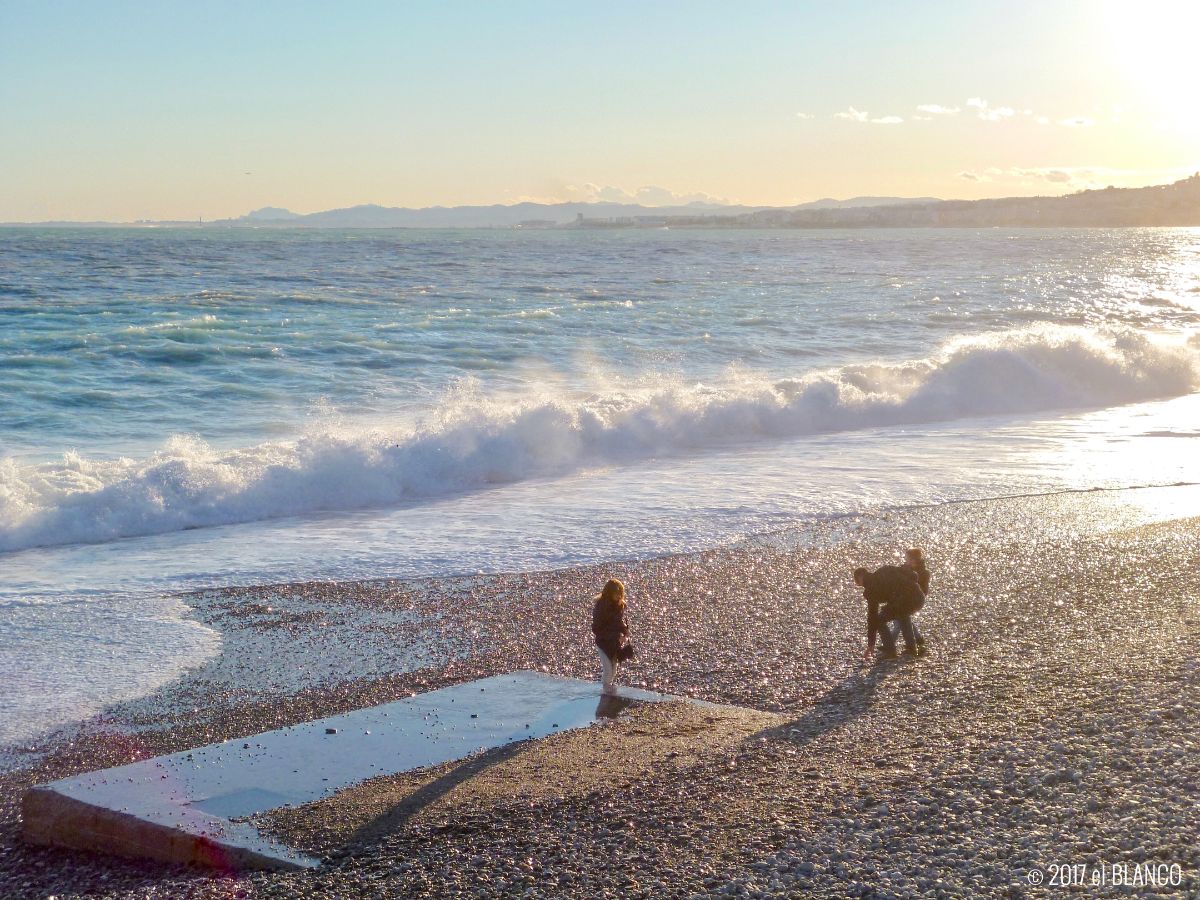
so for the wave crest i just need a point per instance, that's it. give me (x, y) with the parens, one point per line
(473, 441)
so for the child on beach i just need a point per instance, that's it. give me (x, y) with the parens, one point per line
(611, 631)
(914, 560)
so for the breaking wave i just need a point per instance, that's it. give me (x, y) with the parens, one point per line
(472, 441)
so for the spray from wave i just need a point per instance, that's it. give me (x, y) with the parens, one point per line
(472, 441)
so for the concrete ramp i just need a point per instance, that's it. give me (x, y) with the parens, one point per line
(181, 808)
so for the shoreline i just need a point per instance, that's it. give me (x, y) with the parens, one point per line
(773, 625)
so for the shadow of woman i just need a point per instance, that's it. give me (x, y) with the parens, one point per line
(841, 704)
(375, 830)
(610, 707)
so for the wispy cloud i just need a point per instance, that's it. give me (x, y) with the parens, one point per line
(858, 115)
(647, 195)
(990, 113)
(983, 110)
(801, 115)
(1054, 176)
(1078, 177)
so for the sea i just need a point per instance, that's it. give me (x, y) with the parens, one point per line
(189, 408)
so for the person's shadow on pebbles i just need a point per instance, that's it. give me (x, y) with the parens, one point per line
(452, 775)
(841, 704)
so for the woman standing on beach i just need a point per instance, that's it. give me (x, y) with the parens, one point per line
(611, 631)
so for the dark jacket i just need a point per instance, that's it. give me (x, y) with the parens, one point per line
(609, 626)
(891, 592)
(923, 575)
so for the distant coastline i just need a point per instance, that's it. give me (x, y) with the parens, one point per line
(1168, 205)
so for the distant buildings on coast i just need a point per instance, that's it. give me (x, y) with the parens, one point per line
(1175, 205)
(1168, 205)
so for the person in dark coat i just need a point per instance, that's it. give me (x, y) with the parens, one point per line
(914, 559)
(893, 594)
(611, 631)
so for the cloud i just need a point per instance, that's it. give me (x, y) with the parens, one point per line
(1054, 176)
(858, 115)
(990, 113)
(647, 195)
(1077, 177)
(936, 109)
(803, 115)
(1071, 178)
(983, 110)
(652, 195)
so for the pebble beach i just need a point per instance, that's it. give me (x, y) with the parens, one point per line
(1048, 740)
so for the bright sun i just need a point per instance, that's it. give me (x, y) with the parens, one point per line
(1154, 44)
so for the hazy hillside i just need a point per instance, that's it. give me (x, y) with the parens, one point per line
(524, 214)
(1175, 204)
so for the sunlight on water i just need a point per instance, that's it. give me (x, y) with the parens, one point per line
(337, 405)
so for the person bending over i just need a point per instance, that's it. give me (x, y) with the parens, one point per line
(611, 631)
(914, 559)
(893, 594)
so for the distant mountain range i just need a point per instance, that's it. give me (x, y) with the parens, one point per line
(517, 215)
(1175, 204)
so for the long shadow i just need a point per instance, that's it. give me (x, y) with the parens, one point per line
(610, 707)
(841, 704)
(427, 794)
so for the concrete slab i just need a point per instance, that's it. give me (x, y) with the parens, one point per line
(179, 808)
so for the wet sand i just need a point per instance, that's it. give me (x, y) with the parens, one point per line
(1054, 720)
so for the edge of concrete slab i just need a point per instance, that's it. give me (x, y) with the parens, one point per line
(53, 819)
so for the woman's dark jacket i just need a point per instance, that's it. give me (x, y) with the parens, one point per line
(923, 576)
(609, 626)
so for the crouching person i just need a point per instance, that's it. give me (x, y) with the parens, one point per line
(893, 594)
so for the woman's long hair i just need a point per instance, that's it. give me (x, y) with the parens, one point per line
(614, 592)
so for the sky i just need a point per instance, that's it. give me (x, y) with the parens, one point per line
(127, 110)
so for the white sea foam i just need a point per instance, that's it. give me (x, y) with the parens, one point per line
(472, 441)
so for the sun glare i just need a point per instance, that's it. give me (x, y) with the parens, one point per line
(1154, 45)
